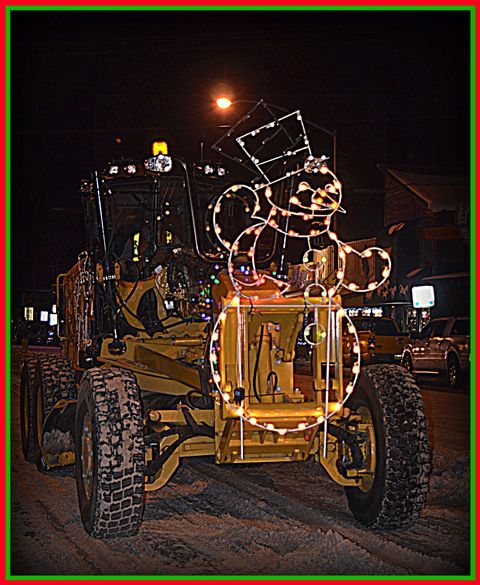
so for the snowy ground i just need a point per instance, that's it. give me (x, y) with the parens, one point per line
(269, 519)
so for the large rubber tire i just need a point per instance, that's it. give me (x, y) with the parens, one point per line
(28, 412)
(109, 453)
(54, 381)
(400, 483)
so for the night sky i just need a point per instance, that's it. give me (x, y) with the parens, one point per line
(91, 86)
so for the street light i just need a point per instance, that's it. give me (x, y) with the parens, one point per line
(224, 103)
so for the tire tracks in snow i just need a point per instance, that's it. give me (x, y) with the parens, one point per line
(372, 543)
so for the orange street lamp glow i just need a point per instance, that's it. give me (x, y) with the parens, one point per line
(224, 103)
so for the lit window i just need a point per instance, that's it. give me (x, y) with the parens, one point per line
(44, 316)
(28, 313)
(53, 319)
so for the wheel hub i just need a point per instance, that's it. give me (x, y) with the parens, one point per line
(87, 456)
(452, 374)
(368, 448)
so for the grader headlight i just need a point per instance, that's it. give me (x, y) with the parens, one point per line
(159, 164)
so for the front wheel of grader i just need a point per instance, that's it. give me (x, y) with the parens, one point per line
(109, 453)
(388, 399)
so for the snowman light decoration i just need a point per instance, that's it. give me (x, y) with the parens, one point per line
(296, 194)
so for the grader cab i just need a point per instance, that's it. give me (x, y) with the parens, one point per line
(183, 322)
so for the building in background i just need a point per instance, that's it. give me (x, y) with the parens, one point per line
(426, 220)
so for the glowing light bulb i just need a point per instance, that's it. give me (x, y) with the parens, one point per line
(224, 102)
(270, 427)
(216, 378)
(281, 431)
(301, 426)
(294, 200)
(349, 388)
(226, 396)
(340, 274)
(252, 420)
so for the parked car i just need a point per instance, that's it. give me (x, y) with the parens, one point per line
(443, 346)
(380, 341)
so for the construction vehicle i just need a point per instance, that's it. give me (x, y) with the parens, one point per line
(179, 341)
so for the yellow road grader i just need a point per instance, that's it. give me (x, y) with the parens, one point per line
(182, 325)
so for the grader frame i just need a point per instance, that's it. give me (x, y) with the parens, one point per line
(168, 364)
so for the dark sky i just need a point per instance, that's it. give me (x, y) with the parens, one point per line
(394, 85)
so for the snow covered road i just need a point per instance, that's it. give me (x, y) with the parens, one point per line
(269, 519)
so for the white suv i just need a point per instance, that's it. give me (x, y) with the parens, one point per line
(443, 346)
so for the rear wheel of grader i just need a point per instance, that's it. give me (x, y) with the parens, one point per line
(54, 380)
(28, 408)
(109, 453)
(388, 398)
